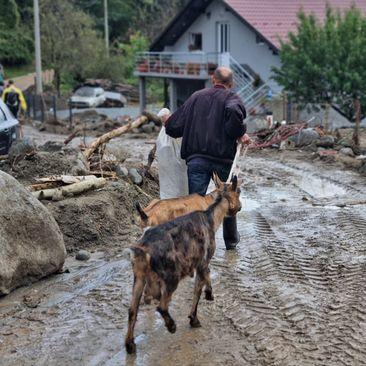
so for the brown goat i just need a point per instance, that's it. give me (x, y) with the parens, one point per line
(171, 251)
(160, 211)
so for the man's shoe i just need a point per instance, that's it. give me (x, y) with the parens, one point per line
(231, 234)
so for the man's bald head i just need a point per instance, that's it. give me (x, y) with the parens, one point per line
(223, 76)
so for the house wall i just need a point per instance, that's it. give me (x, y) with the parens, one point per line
(243, 44)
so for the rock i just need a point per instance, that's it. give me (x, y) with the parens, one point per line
(156, 129)
(121, 171)
(82, 255)
(362, 169)
(135, 130)
(347, 151)
(31, 243)
(326, 142)
(255, 124)
(52, 146)
(147, 128)
(135, 176)
(21, 148)
(79, 165)
(305, 137)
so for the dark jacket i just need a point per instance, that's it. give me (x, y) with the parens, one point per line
(210, 122)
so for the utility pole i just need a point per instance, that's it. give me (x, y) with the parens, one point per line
(106, 27)
(37, 37)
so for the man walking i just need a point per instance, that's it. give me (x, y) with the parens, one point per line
(13, 97)
(211, 121)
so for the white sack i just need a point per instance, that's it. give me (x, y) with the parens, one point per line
(172, 169)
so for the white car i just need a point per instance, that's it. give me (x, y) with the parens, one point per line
(88, 97)
(9, 128)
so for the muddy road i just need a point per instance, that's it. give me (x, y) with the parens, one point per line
(292, 294)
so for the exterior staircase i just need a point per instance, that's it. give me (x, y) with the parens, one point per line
(245, 85)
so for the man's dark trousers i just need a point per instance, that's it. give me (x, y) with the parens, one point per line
(200, 171)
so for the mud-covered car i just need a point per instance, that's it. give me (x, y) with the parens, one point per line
(9, 128)
(87, 97)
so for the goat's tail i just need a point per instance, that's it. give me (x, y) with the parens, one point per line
(141, 212)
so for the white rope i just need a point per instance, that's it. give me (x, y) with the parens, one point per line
(235, 169)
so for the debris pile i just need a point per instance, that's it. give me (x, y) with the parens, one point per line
(91, 190)
(321, 145)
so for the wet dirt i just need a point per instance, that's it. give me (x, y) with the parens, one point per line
(291, 294)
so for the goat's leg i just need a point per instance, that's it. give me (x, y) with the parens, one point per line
(147, 294)
(163, 309)
(138, 288)
(199, 283)
(208, 290)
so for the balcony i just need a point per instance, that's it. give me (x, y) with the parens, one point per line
(177, 65)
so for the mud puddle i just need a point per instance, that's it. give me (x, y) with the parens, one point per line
(291, 294)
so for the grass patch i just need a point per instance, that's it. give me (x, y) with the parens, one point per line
(16, 71)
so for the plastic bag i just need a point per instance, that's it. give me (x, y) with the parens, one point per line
(173, 176)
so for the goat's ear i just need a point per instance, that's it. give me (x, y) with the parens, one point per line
(217, 181)
(234, 183)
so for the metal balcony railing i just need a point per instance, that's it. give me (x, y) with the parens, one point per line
(179, 64)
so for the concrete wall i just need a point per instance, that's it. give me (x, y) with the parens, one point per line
(243, 45)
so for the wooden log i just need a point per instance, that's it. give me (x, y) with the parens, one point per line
(88, 152)
(57, 194)
(67, 179)
(152, 117)
(4, 157)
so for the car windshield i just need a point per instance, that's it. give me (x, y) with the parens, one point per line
(85, 92)
(2, 116)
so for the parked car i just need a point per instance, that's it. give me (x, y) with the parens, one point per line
(88, 97)
(9, 128)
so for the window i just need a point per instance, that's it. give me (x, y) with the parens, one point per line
(195, 42)
(223, 37)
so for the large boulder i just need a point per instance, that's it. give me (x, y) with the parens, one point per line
(31, 243)
(305, 137)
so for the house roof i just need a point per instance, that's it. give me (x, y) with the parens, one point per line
(271, 19)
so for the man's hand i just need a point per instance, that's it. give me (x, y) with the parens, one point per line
(245, 139)
(164, 119)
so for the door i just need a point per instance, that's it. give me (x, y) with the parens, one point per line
(223, 37)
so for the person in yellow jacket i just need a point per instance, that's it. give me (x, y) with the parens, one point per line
(13, 97)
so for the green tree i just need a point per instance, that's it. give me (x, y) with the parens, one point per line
(16, 45)
(69, 42)
(323, 63)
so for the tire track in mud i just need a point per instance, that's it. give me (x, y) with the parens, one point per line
(306, 307)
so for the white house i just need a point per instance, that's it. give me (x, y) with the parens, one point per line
(241, 34)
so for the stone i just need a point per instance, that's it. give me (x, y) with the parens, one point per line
(135, 130)
(326, 142)
(31, 243)
(21, 148)
(305, 137)
(255, 124)
(157, 129)
(347, 151)
(82, 255)
(362, 169)
(135, 176)
(147, 128)
(79, 165)
(122, 171)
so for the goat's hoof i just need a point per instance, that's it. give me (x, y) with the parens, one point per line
(194, 323)
(209, 296)
(171, 327)
(130, 347)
